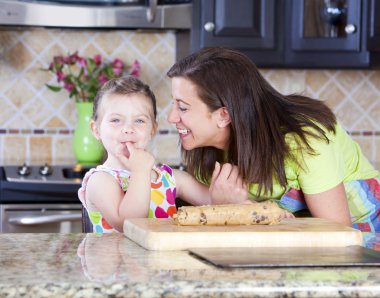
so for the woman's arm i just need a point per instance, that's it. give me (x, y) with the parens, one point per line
(191, 190)
(331, 204)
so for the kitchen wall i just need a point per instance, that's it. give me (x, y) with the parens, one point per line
(36, 125)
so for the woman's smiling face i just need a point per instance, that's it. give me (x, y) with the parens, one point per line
(196, 124)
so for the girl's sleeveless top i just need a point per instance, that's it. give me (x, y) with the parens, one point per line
(162, 198)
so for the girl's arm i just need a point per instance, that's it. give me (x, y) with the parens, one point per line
(191, 190)
(106, 195)
(331, 204)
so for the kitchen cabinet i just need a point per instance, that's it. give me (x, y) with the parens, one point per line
(374, 25)
(246, 25)
(292, 33)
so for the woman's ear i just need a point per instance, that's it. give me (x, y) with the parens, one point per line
(223, 117)
(95, 130)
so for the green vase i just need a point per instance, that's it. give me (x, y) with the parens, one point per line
(87, 149)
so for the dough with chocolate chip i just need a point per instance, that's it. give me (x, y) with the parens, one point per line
(263, 213)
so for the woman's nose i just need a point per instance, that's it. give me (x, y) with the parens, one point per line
(173, 116)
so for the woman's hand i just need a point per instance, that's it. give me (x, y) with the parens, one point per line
(227, 187)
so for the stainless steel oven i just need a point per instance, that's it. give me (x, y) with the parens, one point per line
(124, 14)
(41, 218)
(40, 199)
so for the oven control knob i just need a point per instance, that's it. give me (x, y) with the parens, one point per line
(24, 170)
(45, 170)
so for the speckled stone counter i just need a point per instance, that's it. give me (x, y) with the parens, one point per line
(80, 265)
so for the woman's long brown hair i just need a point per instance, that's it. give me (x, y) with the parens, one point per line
(260, 117)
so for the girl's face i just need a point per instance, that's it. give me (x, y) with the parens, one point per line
(196, 125)
(124, 119)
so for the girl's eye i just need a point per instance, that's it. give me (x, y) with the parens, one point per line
(140, 121)
(115, 120)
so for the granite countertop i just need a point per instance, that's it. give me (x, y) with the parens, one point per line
(91, 265)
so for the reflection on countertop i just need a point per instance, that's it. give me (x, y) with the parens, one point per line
(93, 265)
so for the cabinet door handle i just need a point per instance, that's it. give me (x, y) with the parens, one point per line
(350, 28)
(209, 26)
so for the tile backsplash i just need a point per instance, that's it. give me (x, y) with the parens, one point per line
(36, 125)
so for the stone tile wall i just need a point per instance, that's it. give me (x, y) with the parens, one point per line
(36, 125)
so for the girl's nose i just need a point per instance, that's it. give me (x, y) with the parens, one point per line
(127, 129)
(173, 116)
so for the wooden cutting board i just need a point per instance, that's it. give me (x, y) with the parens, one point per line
(163, 234)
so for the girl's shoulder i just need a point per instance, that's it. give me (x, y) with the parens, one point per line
(163, 168)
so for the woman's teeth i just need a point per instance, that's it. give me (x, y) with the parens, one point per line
(183, 131)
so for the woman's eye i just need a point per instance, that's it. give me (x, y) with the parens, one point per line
(182, 109)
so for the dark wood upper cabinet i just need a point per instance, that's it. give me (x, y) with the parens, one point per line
(292, 33)
(247, 25)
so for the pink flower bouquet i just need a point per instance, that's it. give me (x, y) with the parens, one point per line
(82, 77)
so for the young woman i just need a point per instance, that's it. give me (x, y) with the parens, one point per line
(249, 142)
(129, 184)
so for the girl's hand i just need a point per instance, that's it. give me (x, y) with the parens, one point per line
(227, 187)
(137, 159)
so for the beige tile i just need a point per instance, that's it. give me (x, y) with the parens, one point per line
(144, 42)
(162, 58)
(19, 93)
(14, 150)
(37, 39)
(365, 96)
(90, 51)
(374, 114)
(38, 112)
(55, 122)
(19, 121)
(19, 57)
(162, 92)
(6, 112)
(69, 113)
(315, 80)
(7, 74)
(74, 40)
(54, 50)
(363, 125)
(348, 115)
(377, 149)
(162, 122)
(150, 75)
(375, 79)
(108, 41)
(38, 77)
(56, 99)
(41, 149)
(8, 38)
(63, 150)
(167, 149)
(349, 79)
(365, 144)
(332, 95)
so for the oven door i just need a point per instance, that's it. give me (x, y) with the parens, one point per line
(41, 218)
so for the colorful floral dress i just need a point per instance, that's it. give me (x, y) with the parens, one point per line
(162, 198)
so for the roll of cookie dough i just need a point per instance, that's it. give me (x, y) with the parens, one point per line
(264, 213)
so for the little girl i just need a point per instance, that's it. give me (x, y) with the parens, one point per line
(129, 184)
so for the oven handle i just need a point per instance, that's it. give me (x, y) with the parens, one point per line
(38, 220)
